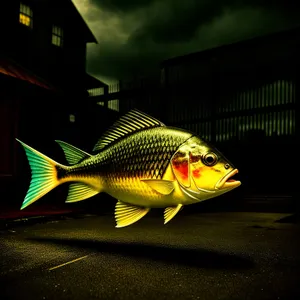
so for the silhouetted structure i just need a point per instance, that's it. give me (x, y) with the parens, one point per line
(238, 96)
(44, 84)
(48, 37)
(242, 97)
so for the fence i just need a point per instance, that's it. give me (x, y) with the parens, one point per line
(268, 107)
(251, 119)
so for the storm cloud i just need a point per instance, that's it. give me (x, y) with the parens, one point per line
(134, 36)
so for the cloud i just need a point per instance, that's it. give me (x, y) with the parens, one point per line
(121, 5)
(134, 36)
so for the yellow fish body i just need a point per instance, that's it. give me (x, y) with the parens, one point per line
(140, 162)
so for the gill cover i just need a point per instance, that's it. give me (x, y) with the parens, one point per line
(181, 166)
(186, 165)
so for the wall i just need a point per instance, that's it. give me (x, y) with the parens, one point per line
(8, 126)
(33, 48)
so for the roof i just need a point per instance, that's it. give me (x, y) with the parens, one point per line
(92, 82)
(11, 68)
(68, 10)
(208, 53)
(90, 38)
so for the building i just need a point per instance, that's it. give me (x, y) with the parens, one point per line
(44, 83)
(241, 97)
(257, 75)
(48, 37)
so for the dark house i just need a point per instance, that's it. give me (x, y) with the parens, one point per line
(49, 37)
(43, 80)
(241, 97)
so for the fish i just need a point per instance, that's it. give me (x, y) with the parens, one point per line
(140, 162)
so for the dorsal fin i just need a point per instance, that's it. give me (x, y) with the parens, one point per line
(73, 155)
(132, 122)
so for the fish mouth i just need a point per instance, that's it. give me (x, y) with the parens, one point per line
(227, 181)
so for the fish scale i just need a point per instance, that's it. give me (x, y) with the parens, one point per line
(139, 156)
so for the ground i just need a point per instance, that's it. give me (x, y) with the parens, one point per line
(211, 256)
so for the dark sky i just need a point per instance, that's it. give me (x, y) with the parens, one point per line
(135, 35)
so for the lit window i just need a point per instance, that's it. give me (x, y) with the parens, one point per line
(96, 92)
(113, 104)
(25, 15)
(57, 36)
(72, 118)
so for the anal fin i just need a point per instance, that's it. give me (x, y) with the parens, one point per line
(170, 212)
(126, 214)
(80, 191)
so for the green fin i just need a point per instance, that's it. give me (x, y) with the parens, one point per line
(170, 212)
(43, 175)
(73, 155)
(126, 214)
(80, 191)
(164, 187)
(126, 125)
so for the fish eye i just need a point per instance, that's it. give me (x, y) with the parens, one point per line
(210, 159)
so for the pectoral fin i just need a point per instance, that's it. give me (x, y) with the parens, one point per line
(80, 191)
(170, 212)
(126, 214)
(164, 187)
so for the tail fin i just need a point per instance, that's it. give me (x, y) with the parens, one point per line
(44, 175)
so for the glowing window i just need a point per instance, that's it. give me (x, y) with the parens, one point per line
(72, 118)
(96, 92)
(113, 104)
(26, 15)
(57, 36)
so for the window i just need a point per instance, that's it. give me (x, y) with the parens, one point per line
(26, 14)
(113, 104)
(96, 92)
(57, 36)
(72, 118)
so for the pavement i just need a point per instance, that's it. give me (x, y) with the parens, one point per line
(224, 255)
(12, 216)
(45, 211)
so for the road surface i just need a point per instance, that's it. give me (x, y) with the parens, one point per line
(199, 256)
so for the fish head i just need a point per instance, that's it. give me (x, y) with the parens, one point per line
(202, 171)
